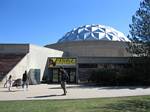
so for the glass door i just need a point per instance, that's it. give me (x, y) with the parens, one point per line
(56, 76)
(72, 75)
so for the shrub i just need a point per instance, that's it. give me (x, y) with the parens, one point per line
(138, 74)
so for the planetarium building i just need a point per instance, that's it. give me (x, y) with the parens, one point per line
(87, 48)
(79, 51)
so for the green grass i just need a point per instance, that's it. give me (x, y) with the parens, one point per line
(125, 104)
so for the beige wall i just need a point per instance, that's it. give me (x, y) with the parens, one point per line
(38, 57)
(35, 59)
(19, 69)
(93, 48)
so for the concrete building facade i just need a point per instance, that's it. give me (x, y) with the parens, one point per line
(79, 51)
(91, 55)
(34, 61)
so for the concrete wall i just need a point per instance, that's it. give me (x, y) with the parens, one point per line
(103, 60)
(14, 48)
(36, 58)
(93, 48)
(19, 69)
(39, 55)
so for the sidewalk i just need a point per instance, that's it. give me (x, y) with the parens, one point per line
(44, 91)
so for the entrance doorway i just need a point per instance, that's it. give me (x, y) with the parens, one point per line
(56, 76)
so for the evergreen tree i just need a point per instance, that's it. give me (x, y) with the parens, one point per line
(140, 30)
(140, 45)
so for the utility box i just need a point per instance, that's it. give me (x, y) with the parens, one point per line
(34, 76)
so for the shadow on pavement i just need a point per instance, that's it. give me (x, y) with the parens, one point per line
(124, 87)
(45, 96)
(85, 86)
(11, 91)
(76, 86)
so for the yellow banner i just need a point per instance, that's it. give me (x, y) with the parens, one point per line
(61, 61)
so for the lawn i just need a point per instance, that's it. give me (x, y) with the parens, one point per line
(124, 104)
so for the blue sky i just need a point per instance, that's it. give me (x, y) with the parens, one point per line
(43, 22)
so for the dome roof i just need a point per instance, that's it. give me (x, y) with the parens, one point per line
(93, 32)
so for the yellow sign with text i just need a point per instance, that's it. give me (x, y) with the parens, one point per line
(61, 61)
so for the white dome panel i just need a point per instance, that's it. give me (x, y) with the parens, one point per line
(93, 32)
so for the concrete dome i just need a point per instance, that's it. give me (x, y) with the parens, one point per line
(93, 32)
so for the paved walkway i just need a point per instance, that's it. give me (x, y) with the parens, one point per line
(44, 91)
